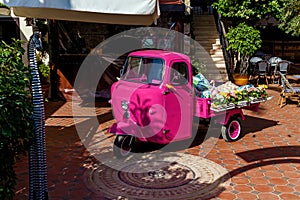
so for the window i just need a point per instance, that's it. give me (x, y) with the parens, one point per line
(179, 73)
(144, 70)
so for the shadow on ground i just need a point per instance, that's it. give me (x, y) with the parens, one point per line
(256, 124)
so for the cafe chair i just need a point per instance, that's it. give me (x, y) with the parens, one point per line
(262, 68)
(253, 61)
(274, 60)
(288, 91)
(283, 67)
(273, 64)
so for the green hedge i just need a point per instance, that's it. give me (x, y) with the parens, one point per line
(16, 124)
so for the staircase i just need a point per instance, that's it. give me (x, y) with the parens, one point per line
(210, 50)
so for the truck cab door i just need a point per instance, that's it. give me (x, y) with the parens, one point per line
(179, 100)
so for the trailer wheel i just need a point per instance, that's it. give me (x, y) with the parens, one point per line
(123, 145)
(232, 130)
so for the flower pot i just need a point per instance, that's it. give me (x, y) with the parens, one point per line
(45, 90)
(241, 79)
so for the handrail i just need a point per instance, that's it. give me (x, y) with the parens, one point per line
(226, 54)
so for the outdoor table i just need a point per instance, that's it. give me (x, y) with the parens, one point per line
(294, 79)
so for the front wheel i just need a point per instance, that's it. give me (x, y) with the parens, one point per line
(232, 130)
(123, 145)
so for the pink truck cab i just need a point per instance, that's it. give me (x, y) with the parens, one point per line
(154, 101)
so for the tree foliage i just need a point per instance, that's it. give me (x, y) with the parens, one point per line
(251, 10)
(290, 17)
(16, 125)
(244, 40)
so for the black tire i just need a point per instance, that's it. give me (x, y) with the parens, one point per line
(232, 130)
(123, 145)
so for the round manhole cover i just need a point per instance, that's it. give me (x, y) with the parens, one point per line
(189, 177)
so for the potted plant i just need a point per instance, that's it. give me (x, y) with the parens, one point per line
(243, 40)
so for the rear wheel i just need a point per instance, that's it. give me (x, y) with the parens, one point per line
(232, 130)
(123, 145)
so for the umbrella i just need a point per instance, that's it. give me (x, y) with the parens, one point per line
(129, 12)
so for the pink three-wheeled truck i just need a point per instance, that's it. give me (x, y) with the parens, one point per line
(154, 101)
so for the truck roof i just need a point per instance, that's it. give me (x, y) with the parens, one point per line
(156, 53)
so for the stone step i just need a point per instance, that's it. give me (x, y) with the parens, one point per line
(206, 37)
(206, 32)
(212, 66)
(204, 18)
(216, 52)
(211, 41)
(218, 59)
(219, 77)
(216, 46)
(204, 25)
(210, 51)
(208, 46)
(221, 67)
(216, 77)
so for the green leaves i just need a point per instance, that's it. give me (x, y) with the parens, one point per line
(290, 17)
(16, 125)
(248, 9)
(244, 39)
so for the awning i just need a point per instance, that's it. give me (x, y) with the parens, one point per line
(128, 12)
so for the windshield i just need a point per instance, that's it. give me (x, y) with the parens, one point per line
(144, 70)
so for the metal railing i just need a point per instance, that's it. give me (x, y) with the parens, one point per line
(228, 57)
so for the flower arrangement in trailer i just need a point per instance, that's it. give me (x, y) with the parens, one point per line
(229, 95)
(257, 94)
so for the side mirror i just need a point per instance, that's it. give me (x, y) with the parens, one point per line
(121, 72)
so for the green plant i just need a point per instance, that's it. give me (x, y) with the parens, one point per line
(290, 17)
(3, 6)
(16, 125)
(44, 68)
(244, 40)
(242, 16)
(197, 65)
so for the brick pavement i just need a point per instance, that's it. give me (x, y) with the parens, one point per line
(263, 164)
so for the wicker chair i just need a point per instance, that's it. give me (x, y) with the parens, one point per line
(273, 66)
(252, 69)
(283, 67)
(262, 68)
(288, 91)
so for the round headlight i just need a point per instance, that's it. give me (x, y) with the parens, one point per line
(124, 105)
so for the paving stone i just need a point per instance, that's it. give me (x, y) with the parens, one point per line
(263, 164)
